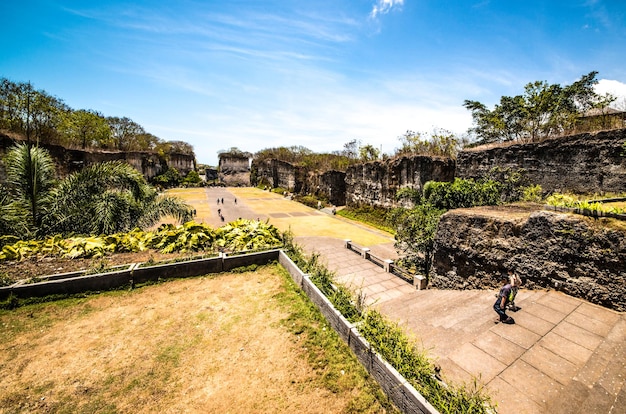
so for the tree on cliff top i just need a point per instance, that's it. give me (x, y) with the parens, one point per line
(440, 142)
(543, 110)
(46, 119)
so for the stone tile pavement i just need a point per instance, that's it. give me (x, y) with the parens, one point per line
(563, 355)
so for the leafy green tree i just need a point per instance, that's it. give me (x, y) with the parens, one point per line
(192, 177)
(415, 235)
(543, 110)
(125, 133)
(180, 147)
(170, 178)
(368, 153)
(27, 111)
(440, 142)
(87, 128)
(147, 141)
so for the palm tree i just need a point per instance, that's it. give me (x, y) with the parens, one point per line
(30, 176)
(101, 199)
(108, 198)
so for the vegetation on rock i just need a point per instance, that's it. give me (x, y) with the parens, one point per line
(46, 119)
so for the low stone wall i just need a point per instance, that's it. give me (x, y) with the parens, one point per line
(547, 249)
(77, 282)
(397, 388)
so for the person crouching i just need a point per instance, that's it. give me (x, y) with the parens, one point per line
(502, 300)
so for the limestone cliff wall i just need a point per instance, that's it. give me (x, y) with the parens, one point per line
(329, 185)
(547, 249)
(585, 163)
(376, 183)
(276, 173)
(70, 160)
(234, 171)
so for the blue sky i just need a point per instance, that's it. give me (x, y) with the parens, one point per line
(255, 74)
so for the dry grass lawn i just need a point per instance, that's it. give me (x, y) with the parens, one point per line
(231, 343)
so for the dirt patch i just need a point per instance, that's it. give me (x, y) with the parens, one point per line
(35, 267)
(208, 344)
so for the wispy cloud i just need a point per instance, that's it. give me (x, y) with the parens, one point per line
(384, 7)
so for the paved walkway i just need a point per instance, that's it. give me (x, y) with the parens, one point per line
(563, 355)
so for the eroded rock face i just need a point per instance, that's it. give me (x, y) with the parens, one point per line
(566, 252)
(234, 171)
(277, 173)
(376, 183)
(68, 161)
(585, 163)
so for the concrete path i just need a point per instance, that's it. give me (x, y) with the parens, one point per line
(563, 355)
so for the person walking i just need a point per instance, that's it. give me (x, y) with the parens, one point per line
(502, 300)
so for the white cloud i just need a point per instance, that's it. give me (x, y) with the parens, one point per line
(615, 88)
(384, 7)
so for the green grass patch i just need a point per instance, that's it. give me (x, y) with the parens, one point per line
(377, 217)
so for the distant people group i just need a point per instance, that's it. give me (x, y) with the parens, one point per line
(220, 200)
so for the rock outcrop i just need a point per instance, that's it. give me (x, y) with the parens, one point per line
(68, 161)
(376, 183)
(234, 170)
(570, 253)
(585, 163)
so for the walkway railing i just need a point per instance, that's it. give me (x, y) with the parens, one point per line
(388, 265)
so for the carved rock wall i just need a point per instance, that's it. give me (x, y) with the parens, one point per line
(547, 249)
(585, 163)
(277, 173)
(376, 183)
(234, 171)
(68, 161)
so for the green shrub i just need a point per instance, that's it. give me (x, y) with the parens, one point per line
(462, 193)
(532, 193)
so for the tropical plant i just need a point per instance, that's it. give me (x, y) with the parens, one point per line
(30, 177)
(243, 234)
(189, 237)
(239, 235)
(108, 198)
